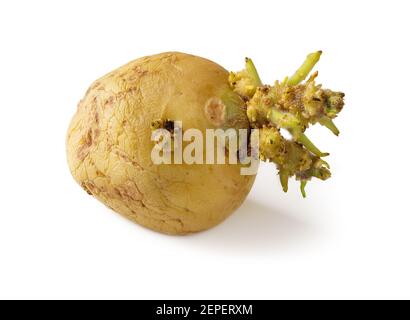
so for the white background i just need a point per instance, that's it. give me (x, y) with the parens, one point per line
(349, 239)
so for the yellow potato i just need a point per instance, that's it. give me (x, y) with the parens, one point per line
(109, 144)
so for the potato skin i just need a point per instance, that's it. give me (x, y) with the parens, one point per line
(109, 145)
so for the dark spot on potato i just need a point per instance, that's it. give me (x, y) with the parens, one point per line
(96, 134)
(86, 143)
(169, 125)
(84, 186)
(109, 102)
(99, 173)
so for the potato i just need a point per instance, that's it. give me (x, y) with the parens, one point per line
(109, 144)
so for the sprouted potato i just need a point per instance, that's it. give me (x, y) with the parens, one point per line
(110, 145)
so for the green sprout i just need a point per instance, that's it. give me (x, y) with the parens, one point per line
(292, 105)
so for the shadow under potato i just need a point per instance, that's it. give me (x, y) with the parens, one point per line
(255, 227)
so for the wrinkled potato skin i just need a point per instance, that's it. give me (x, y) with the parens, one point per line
(109, 145)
